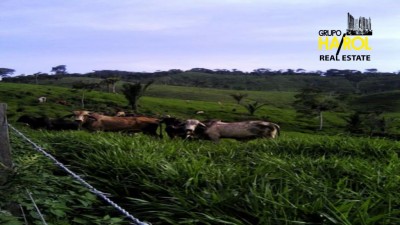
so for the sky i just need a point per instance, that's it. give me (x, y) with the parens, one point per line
(150, 35)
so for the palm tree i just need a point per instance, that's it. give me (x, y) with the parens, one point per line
(253, 107)
(238, 97)
(134, 91)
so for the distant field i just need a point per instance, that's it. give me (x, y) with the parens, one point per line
(160, 100)
(276, 98)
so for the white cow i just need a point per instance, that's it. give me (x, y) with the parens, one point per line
(245, 130)
(42, 99)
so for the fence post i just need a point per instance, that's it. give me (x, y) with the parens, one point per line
(5, 150)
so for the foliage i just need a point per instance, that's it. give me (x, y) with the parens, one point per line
(85, 86)
(59, 198)
(355, 79)
(253, 107)
(4, 72)
(311, 102)
(333, 80)
(238, 97)
(370, 123)
(182, 102)
(133, 92)
(59, 70)
(110, 82)
(297, 178)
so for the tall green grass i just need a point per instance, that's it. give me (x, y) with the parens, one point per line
(60, 199)
(295, 179)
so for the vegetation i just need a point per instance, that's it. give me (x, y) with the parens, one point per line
(341, 175)
(253, 107)
(4, 72)
(311, 101)
(238, 97)
(340, 81)
(59, 198)
(133, 92)
(110, 83)
(59, 70)
(298, 178)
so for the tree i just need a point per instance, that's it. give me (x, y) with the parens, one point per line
(5, 72)
(372, 70)
(110, 82)
(354, 123)
(238, 97)
(355, 79)
(36, 75)
(59, 70)
(253, 107)
(261, 71)
(133, 92)
(370, 123)
(85, 86)
(300, 70)
(312, 102)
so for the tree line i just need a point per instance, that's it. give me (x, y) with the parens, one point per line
(62, 70)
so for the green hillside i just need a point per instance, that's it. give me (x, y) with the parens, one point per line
(161, 100)
(384, 101)
(183, 102)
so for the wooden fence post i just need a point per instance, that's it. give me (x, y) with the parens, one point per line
(5, 150)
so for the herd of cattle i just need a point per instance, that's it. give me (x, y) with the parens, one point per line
(175, 128)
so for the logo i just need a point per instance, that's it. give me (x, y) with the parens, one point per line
(355, 39)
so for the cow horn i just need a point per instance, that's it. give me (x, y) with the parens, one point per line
(202, 124)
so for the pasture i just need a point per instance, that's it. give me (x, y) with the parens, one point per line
(161, 100)
(295, 179)
(302, 177)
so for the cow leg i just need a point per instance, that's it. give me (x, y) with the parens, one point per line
(152, 130)
(214, 137)
(270, 133)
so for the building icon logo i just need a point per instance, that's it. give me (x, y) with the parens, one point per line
(360, 26)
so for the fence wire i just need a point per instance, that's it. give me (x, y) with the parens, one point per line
(77, 177)
(36, 207)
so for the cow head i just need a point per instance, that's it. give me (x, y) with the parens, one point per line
(81, 116)
(120, 114)
(190, 127)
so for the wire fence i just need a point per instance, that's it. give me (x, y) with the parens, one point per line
(77, 177)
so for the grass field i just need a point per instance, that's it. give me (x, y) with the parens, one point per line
(302, 177)
(296, 179)
(181, 102)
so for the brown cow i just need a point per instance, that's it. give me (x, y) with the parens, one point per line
(245, 130)
(97, 122)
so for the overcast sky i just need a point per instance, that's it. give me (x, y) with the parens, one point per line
(149, 35)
